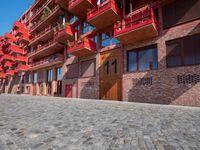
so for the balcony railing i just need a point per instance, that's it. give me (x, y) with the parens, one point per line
(107, 10)
(1, 68)
(38, 11)
(57, 58)
(22, 67)
(62, 3)
(8, 64)
(3, 75)
(21, 59)
(82, 47)
(18, 24)
(37, 24)
(1, 53)
(21, 31)
(25, 38)
(10, 72)
(79, 7)
(137, 27)
(7, 57)
(9, 36)
(15, 49)
(65, 33)
(36, 37)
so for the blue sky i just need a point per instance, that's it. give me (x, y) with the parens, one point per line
(10, 11)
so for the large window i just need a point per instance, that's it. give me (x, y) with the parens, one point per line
(184, 51)
(87, 27)
(88, 68)
(72, 71)
(59, 73)
(180, 11)
(49, 75)
(35, 77)
(142, 59)
(105, 40)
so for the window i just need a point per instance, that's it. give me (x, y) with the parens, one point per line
(59, 73)
(105, 40)
(29, 78)
(35, 77)
(59, 87)
(72, 71)
(49, 75)
(23, 79)
(88, 68)
(87, 27)
(180, 11)
(115, 41)
(73, 19)
(142, 59)
(183, 52)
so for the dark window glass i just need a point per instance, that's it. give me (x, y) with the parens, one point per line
(105, 40)
(143, 59)
(184, 51)
(180, 11)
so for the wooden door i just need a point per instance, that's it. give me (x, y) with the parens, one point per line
(34, 89)
(68, 90)
(110, 75)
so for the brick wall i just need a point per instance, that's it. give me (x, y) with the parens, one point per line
(165, 88)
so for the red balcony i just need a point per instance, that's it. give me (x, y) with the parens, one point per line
(24, 38)
(22, 67)
(9, 36)
(2, 75)
(62, 3)
(18, 24)
(66, 34)
(21, 58)
(49, 61)
(42, 36)
(1, 53)
(15, 49)
(46, 49)
(10, 72)
(49, 18)
(8, 64)
(82, 47)
(138, 27)
(79, 7)
(7, 57)
(105, 14)
(1, 68)
(21, 31)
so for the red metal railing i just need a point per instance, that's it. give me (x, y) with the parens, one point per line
(9, 36)
(21, 58)
(3, 75)
(1, 68)
(1, 53)
(15, 49)
(67, 30)
(51, 59)
(43, 47)
(40, 34)
(21, 67)
(38, 11)
(56, 8)
(10, 72)
(18, 24)
(73, 3)
(7, 57)
(109, 4)
(136, 21)
(82, 43)
(8, 64)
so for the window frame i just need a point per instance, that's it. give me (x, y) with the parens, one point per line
(137, 50)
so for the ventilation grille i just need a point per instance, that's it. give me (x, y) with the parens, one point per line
(188, 79)
(143, 81)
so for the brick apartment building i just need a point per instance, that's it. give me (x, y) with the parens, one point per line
(130, 50)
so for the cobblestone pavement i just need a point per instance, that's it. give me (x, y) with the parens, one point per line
(48, 123)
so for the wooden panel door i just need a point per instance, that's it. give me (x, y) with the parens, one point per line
(110, 75)
(68, 90)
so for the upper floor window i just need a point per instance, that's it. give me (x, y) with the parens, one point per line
(87, 27)
(35, 77)
(115, 41)
(49, 75)
(59, 73)
(73, 19)
(180, 11)
(142, 59)
(184, 51)
(105, 40)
